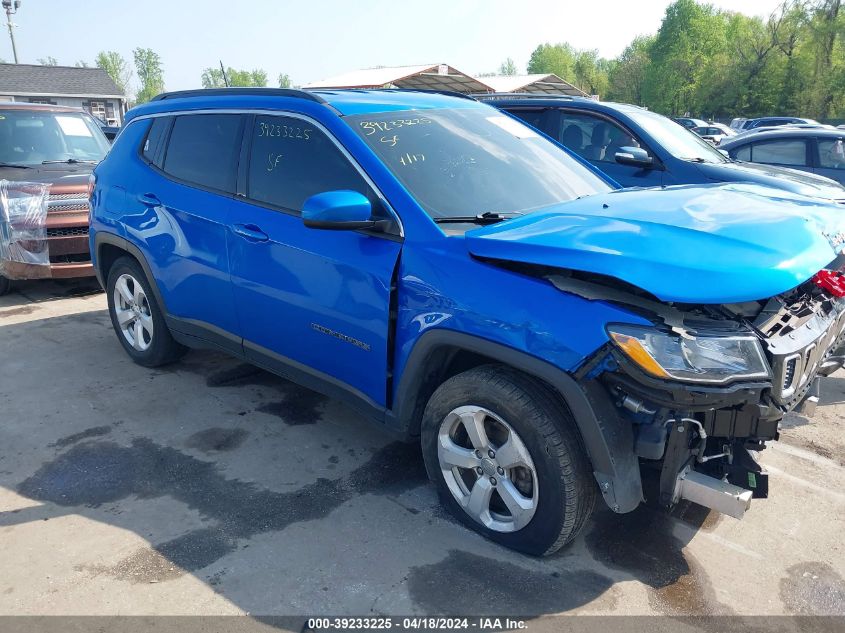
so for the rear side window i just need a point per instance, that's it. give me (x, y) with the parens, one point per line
(785, 152)
(155, 137)
(832, 153)
(204, 150)
(291, 161)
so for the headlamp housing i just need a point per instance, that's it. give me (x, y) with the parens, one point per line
(712, 359)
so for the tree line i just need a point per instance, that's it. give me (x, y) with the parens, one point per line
(720, 64)
(702, 61)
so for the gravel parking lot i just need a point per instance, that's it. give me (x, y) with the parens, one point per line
(212, 487)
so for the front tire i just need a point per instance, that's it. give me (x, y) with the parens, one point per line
(5, 286)
(137, 318)
(507, 459)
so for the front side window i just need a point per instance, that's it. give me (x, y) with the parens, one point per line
(786, 152)
(593, 138)
(679, 142)
(468, 161)
(291, 160)
(34, 138)
(204, 149)
(832, 153)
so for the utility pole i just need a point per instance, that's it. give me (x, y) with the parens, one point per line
(12, 7)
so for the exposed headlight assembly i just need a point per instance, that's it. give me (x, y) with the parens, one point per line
(702, 359)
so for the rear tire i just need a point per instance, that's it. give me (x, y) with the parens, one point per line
(137, 318)
(5, 286)
(524, 457)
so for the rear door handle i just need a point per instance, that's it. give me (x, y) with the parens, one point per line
(149, 199)
(250, 232)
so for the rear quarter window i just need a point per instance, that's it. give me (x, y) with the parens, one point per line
(152, 146)
(204, 150)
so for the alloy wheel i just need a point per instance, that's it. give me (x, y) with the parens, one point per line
(487, 468)
(132, 311)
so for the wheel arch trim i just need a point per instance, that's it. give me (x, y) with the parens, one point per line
(101, 239)
(607, 438)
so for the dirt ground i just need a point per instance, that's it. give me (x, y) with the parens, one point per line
(212, 487)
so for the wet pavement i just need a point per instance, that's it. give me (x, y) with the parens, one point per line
(212, 487)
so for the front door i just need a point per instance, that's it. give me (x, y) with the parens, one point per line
(317, 301)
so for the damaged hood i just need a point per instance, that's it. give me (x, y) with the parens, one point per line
(721, 243)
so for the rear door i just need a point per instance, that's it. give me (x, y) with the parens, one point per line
(183, 202)
(315, 302)
(830, 158)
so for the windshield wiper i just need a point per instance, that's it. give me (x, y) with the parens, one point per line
(488, 217)
(15, 165)
(69, 161)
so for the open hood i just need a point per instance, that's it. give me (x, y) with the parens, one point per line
(721, 243)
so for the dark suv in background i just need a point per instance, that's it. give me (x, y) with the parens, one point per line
(638, 148)
(58, 146)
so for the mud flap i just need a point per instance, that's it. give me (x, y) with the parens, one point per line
(618, 479)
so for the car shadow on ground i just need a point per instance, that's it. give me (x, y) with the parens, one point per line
(371, 515)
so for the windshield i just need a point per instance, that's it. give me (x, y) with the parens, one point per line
(470, 161)
(676, 139)
(32, 138)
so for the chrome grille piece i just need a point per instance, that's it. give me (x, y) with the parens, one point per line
(796, 357)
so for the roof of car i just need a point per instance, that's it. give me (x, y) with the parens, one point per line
(342, 101)
(783, 132)
(19, 105)
(556, 100)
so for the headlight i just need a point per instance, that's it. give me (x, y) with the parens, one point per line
(711, 359)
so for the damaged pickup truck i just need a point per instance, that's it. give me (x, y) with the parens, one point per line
(469, 284)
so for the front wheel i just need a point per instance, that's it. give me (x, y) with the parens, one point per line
(507, 459)
(5, 286)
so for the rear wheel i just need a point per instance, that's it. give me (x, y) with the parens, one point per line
(507, 459)
(137, 317)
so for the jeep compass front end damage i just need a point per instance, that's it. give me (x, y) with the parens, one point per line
(707, 383)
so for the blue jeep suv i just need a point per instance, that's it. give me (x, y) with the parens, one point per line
(467, 283)
(638, 148)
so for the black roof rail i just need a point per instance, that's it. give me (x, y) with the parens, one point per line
(268, 92)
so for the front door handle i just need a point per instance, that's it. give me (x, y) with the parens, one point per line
(250, 232)
(149, 199)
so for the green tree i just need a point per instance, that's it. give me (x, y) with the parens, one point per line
(508, 67)
(553, 58)
(82, 64)
(626, 77)
(150, 74)
(284, 81)
(213, 78)
(689, 37)
(48, 61)
(591, 72)
(116, 67)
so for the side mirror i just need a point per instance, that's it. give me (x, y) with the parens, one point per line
(339, 211)
(634, 156)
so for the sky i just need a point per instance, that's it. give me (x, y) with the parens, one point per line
(319, 39)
